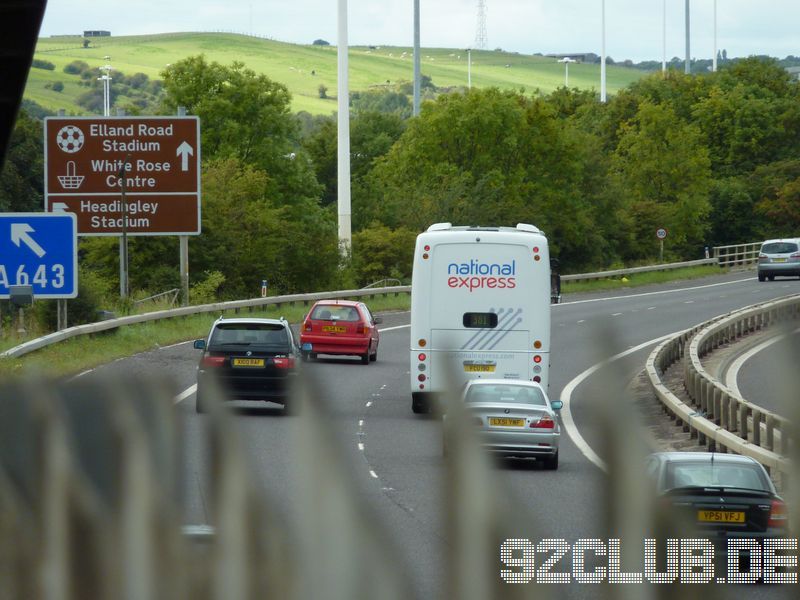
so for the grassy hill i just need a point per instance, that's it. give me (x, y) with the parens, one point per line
(303, 68)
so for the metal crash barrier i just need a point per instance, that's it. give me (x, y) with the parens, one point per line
(709, 410)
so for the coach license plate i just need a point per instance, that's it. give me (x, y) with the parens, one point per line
(248, 362)
(479, 368)
(720, 516)
(506, 422)
(333, 329)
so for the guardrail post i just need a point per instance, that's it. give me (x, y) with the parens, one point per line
(757, 427)
(717, 412)
(770, 432)
(742, 426)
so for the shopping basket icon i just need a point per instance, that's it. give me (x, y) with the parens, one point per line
(70, 181)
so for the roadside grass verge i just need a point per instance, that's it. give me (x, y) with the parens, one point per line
(639, 279)
(88, 351)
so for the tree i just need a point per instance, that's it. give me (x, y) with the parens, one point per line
(245, 116)
(489, 157)
(323, 91)
(248, 236)
(319, 42)
(371, 136)
(662, 171)
(21, 183)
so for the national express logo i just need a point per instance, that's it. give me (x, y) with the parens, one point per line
(476, 275)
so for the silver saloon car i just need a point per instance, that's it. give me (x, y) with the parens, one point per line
(515, 419)
(779, 258)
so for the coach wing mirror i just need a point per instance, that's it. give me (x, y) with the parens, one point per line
(554, 263)
(20, 295)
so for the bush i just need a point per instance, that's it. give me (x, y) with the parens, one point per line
(323, 91)
(58, 86)
(93, 292)
(43, 64)
(205, 292)
(76, 67)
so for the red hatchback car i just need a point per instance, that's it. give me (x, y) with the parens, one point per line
(342, 327)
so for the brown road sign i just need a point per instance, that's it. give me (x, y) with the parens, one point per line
(87, 158)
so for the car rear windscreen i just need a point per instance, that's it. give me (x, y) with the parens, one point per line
(506, 394)
(701, 474)
(265, 335)
(779, 248)
(332, 312)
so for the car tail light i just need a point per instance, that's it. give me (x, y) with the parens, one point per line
(778, 515)
(795, 255)
(307, 326)
(362, 329)
(544, 422)
(762, 257)
(283, 362)
(212, 361)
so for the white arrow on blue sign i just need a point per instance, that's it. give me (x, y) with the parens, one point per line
(40, 250)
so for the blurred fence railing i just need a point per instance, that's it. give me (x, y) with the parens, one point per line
(714, 413)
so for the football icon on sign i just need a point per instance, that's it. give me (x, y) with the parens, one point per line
(70, 139)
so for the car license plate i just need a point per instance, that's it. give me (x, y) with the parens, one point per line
(720, 516)
(248, 362)
(506, 422)
(333, 329)
(479, 368)
(778, 260)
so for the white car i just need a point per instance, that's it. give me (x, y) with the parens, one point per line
(515, 418)
(779, 258)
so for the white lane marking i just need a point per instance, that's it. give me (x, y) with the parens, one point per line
(732, 376)
(393, 328)
(651, 308)
(373, 474)
(566, 397)
(689, 302)
(361, 446)
(582, 321)
(616, 314)
(689, 289)
(360, 423)
(369, 404)
(185, 394)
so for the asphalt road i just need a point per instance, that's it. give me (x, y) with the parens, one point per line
(394, 456)
(768, 377)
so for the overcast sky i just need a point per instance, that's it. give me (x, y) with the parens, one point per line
(633, 27)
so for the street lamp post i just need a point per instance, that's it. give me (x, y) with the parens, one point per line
(566, 60)
(603, 53)
(417, 76)
(106, 79)
(469, 68)
(343, 127)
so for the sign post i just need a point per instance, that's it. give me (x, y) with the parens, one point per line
(39, 250)
(661, 233)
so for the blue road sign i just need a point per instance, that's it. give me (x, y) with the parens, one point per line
(40, 250)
